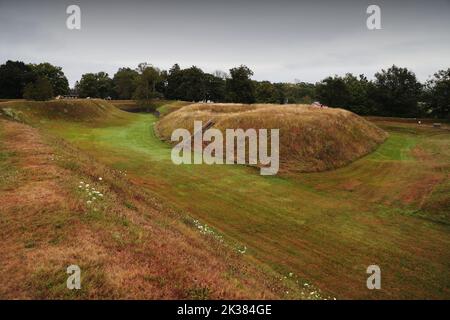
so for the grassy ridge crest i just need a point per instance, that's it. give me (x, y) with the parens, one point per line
(311, 139)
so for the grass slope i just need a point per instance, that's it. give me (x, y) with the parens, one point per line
(126, 243)
(389, 208)
(311, 139)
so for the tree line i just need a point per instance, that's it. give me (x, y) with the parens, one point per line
(393, 92)
(31, 81)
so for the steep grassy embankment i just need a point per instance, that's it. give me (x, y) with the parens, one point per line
(311, 139)
(87, 111)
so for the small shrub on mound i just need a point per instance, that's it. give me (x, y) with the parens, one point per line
(311, 139)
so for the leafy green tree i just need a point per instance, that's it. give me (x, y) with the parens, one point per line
(87, 86)
(397, 92)
(300, 92)
(348, 92)
(265, 92)
(54, 74)
(104, 85)
(40, 90)
(281, 93)
(360, 100)
(125, 83)
(438, 94)
(333, 91)
(173, 82)
(95, 85)
(240, 87)
(148, 77)
(161, 85)
(14, 76)
(214, 88)
(190, 84)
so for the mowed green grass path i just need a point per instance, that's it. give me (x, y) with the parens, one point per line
(326, 228)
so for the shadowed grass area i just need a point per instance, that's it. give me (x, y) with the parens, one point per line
(164, 107)
(388, 208)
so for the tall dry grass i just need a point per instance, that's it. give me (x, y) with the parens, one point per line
(311, 139)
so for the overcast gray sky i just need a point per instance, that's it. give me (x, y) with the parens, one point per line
(279, 40)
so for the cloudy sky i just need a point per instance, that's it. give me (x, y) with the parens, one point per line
(283, 40)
